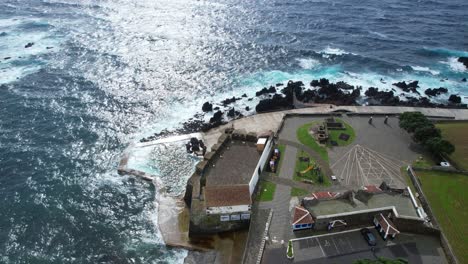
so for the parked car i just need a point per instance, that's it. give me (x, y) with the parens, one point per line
(369, 237)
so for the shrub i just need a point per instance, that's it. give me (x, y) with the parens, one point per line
(438, 145)
(422, 134)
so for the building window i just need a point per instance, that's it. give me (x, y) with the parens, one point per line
(298, 226)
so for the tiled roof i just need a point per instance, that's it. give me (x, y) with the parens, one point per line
(227, 195)
(372, 189)
(387, 225)
(323, 195)
(302, 216)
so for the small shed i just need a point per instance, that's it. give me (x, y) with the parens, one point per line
(385, 226)
(261, 142)
(302, 219)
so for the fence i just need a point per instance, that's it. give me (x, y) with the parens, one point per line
(425, 204)
(260, 165)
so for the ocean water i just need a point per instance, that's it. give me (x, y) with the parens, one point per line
(104, 73)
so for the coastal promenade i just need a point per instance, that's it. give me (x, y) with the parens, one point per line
(271, 121)
(261, 123)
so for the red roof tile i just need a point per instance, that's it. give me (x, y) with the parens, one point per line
(229, 195)
(302, 216)
(372, 189)
(386, 225)
(323, 195)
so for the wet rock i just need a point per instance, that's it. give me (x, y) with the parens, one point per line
(228, 101)
(250, 99)
(435, 91)
(49, 47)
(3, 34)
(263, 91)
(233, 113)
(217, 117)
(30, 44)
(383, 97)
(343, 85)
(216, 108)
(7, 58)
(207, 107)
(279, 84)
(277, 102)
(455, 99)
(463, 80)
(244, 95)
(247, 108)
(464, 60)
(409, 88)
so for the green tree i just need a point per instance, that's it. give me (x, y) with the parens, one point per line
(381, 261)
(438, 146)
(410, 121)
(422, 134)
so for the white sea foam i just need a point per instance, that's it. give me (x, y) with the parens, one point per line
(12, 45)
(308, 63)
(334, 51)
(425, 69)
(454, 64)
(378, 34)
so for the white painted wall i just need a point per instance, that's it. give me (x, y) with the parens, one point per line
(260, 164)
(228, 209)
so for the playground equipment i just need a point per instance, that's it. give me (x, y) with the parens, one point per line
(308, 169)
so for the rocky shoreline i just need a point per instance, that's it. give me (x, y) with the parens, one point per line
(323, 91)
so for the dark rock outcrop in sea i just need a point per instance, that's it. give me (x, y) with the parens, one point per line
(463, 80)
(7, 58)
(207, 107)
(454, 99)
(409, 88)
(435, 91)
(229, 101)
(464, 60)
(322, 91)
(30, 44)
(266, 91)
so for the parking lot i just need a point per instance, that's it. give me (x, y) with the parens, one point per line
(347, 247)
(331, 245)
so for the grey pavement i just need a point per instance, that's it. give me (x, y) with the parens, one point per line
(349, 247)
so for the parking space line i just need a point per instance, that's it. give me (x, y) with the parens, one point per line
(330, 234)
(337, 250)
(320, 246)
(347, 239)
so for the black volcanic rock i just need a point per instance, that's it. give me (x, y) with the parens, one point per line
(30, 44)
(454, 99)
(207, 107)
(277, 102)
(217, 117)
(228, 101)
(244, 95)
(233, 113)
(435, 91)
(49, 47)
(385, 98)
(7, 58)
(279, 84)
(266, 91)
(247, 108)
(3, 34)
(464, 60)
(409, 88)
(463, 80)
(343, 85)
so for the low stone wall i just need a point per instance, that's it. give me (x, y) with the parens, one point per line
(415, 226)
(425, 204)
(443, 169)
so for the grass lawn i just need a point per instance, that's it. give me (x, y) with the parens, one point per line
(448, 199)
(282, 149)
(456, 134)
(266, 191)
(335, 134)
(310, 175)
(306, 139)
(423, 162)
(298, 192)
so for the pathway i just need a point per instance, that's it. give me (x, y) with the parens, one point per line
(323, 164)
